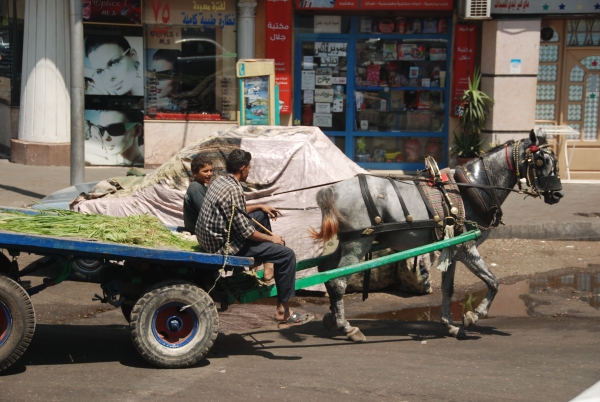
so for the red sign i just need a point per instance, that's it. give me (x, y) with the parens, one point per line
(279, 48)
(127, 12)
(376, 4)
(465, 43)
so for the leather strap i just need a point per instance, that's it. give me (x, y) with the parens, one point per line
(402, 203)
(366, 194)
(498, 215)
(425, 200)
(388, 227)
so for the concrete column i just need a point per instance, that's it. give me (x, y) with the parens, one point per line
(45, 117)
(513, 89)
(245, 29)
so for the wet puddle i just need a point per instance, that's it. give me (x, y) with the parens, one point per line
(507, 302)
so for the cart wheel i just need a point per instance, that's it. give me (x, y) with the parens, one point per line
(86, 270)
(168, 337)
(17, 321)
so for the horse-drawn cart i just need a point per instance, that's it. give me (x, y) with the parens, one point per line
(170, 297)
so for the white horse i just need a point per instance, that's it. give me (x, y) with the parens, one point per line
(344, 213)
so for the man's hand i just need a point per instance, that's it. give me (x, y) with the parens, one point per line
(272, 212)
(277, 240)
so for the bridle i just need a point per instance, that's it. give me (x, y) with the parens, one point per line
(534, 160)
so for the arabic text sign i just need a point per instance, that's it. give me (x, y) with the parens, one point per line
(112, 12)
(464, 62)
(195, 13)
(279, 47)
(330, 49)
(376, 4)
(544, 7)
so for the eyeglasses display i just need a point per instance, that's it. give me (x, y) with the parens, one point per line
(114, 130)
(111, 65)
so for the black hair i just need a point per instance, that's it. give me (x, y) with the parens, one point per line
(172, 56)
(199, 162)
(236, 159)
(93, 42)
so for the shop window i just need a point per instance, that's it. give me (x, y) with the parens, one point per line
(583, 32)
(11, 44)
(591, 62)
(577, 74)
(575, 93)
(544, 111)
(190, 60)
(590, 121)
(574, 113)
(548, 53)
(547, 73)
(546, 92)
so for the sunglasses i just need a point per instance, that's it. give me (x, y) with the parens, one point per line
(166, 74)
(115, 129)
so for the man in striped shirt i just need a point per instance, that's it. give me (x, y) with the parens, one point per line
(220, 212)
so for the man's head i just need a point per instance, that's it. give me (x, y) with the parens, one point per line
(238, 163)
(202, 169)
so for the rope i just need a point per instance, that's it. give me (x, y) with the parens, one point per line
(222, 269)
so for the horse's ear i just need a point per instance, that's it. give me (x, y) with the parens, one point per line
(532, 137)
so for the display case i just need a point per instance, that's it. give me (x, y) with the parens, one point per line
(395, 94)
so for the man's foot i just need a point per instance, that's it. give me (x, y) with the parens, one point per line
(283, 315)
(295, 319)
(269, 272)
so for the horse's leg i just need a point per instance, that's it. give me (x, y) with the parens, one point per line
(473, 261)
(447, 292)
(351, 253)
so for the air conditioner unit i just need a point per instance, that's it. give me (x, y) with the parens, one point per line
(475, 9)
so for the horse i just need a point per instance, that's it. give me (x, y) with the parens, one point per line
(527, 162)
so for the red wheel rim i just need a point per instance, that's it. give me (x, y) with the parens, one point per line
(174, 328)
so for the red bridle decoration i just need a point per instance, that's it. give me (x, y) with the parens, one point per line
(507, 158)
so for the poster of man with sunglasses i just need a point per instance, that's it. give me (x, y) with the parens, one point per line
(114, 137)
(112, 65)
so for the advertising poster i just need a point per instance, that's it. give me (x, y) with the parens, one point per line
(123, 12)
(256, 100)
(164, 81)
(113, 65)
(279, 48)
(375, 4)
(464, 63)
(114, 137)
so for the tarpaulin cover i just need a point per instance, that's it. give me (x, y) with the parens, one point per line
(283, 159)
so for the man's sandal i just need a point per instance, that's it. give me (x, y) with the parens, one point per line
(295, 319)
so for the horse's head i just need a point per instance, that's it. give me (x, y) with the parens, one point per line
(541, 168)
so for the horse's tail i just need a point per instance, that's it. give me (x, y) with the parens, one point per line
(330, 224)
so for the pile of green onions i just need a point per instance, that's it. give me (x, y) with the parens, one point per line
(141, 230)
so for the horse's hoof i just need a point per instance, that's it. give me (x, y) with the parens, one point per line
(455, 331)
(329, 322)
(356, 336)
(469, 319)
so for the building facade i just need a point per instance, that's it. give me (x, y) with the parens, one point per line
(380, 78)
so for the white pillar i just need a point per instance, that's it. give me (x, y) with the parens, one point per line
(45, 115)
(245, 29)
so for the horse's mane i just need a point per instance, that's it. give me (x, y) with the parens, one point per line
(501, 146)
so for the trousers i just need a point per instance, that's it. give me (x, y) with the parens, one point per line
(282, 257)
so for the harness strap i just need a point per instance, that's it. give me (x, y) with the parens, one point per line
(426, 201)
(407, 215)
(366, 194)
(498, 213)
(388, 227)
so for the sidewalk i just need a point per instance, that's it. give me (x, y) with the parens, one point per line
(575, 217)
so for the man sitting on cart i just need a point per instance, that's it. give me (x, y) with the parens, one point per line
(223, 208)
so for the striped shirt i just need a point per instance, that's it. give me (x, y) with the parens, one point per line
(215, 216)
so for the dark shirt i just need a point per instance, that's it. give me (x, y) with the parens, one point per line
(192, 204)
(215, 217)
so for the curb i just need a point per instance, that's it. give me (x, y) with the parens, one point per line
(588, 231)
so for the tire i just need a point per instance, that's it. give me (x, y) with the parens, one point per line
(17, 322)
(86, 270)
(168, 338)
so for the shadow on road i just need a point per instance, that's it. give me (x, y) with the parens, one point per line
(22, 191)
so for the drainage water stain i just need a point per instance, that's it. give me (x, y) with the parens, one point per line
(507, 302)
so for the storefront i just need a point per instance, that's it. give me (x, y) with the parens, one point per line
(176, 67)
(568, 80)
(374, 76)
(11, 45)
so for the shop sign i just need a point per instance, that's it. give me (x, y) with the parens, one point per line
(194, 13)
(545, 7)
(124, 12)
(424, 5)
(279, 48)
(465, 43)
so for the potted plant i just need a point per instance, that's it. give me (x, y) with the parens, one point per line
(475, 107)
